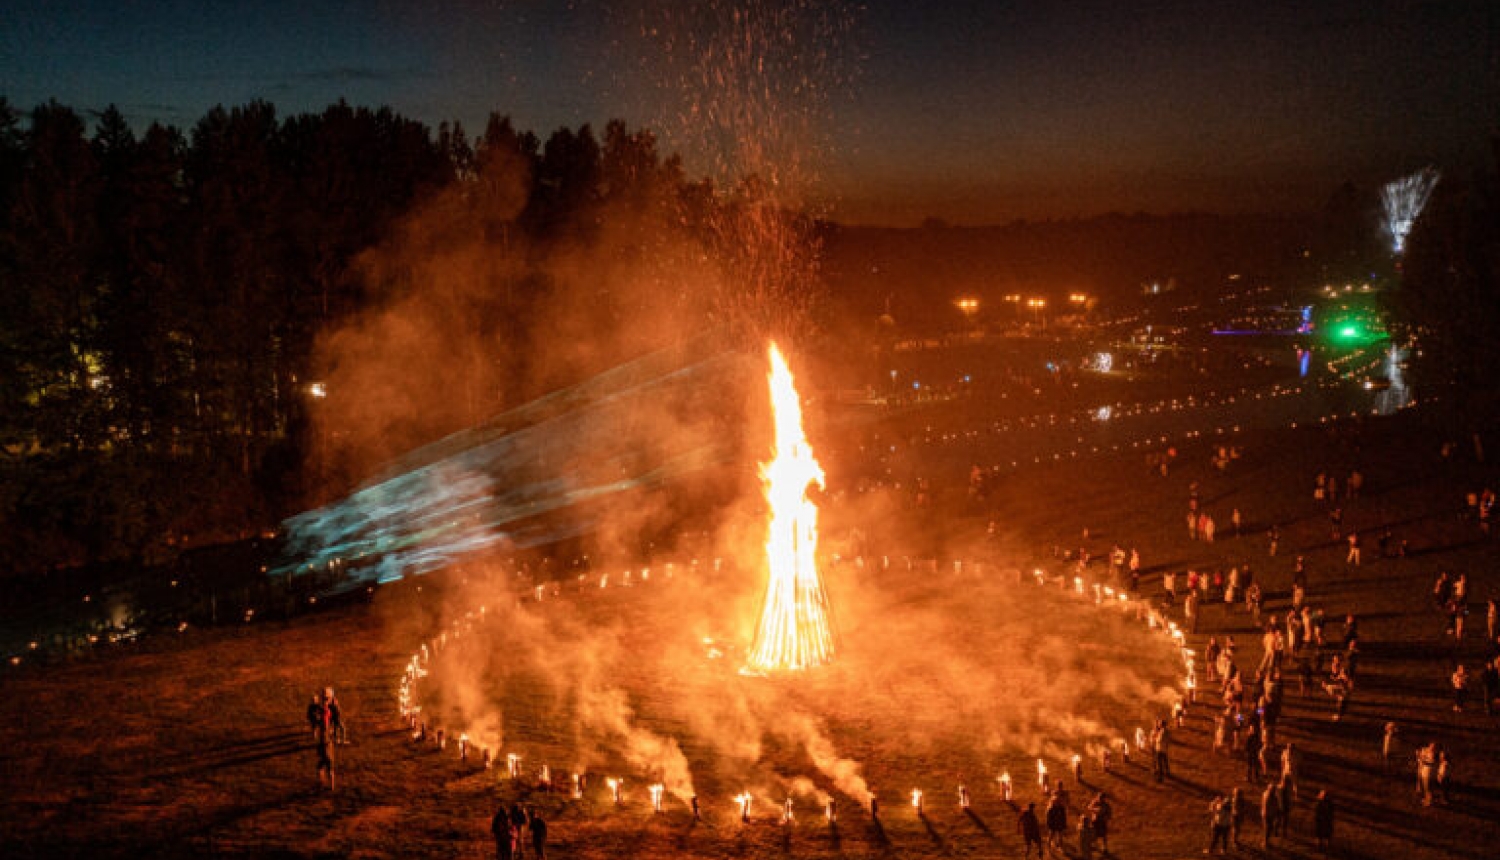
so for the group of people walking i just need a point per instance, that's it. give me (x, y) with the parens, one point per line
(513, 828)
(1092, 830)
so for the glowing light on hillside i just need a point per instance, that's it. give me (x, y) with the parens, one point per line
(796, 628)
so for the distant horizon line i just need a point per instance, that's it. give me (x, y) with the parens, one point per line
(139, 117)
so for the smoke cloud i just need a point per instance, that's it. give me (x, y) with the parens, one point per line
(946, 674)
(940, 671)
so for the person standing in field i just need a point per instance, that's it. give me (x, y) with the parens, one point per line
(1427, 758)
(1160, 742)
(1270, 815)
(538, 836)
(500, 830)
(1031, 832)
(1236, 815)
(1388, 746)
(1086, 836)
(1252, 756)
(335, 717)
(1284, 796)
(1489, 684)
(1101, 811)
(1057, 823)
(1323, 820)
(517, 831)
(316, 716)
(1219, 817)
(1460, 681)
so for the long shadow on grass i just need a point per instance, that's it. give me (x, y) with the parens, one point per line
(979, 822)
(1191, 787)
(937, 838)
(280, 739)
(219, 763)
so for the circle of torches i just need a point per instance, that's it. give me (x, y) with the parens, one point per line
(1105, 597)
(1353, 366)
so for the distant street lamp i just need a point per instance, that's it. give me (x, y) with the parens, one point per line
(1037, 305)
(969, 307)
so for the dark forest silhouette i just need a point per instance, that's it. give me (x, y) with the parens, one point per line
(164, 296)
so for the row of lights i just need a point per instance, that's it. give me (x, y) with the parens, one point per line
(419, 667)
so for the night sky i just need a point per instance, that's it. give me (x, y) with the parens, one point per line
(975, 112)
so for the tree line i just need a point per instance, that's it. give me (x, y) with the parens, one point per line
(164, 295)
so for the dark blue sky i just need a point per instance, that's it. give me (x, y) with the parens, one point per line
(972, 111)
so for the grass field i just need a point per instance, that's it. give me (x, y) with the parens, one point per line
(194, 745)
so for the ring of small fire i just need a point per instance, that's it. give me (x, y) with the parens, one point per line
(794, 707)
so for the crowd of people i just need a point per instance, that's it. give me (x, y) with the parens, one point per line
(1296, 643)
(1300, 641)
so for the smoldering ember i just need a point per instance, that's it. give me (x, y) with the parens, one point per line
(749, 428)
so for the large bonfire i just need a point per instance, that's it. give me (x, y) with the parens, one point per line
(796, 627)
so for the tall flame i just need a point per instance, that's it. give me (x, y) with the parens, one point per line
(796, 630)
